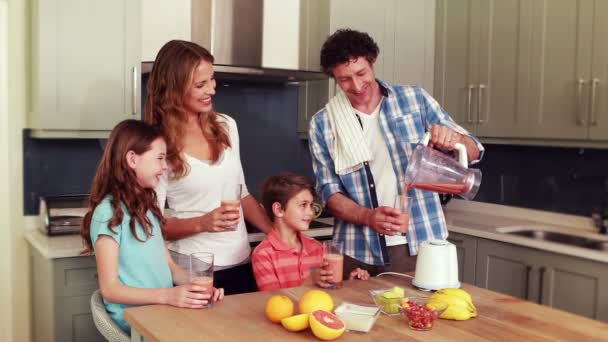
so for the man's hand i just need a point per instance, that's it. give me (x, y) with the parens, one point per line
(444, 138)
(384, 220)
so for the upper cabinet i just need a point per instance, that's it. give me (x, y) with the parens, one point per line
(524, 69)
(569, 69)
(481, 75)
(86, 58)
(404, 31)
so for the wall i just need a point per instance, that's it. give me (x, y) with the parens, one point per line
(14, 266)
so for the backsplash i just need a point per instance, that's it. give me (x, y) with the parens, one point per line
(567, 180)
(266, 115)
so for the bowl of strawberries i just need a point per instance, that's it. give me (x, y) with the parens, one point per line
(421, 312)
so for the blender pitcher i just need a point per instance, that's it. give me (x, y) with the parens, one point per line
(429, 169)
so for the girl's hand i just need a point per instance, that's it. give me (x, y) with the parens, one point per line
(188, 296)
(321, 275)
(358, 274)
(221, 219)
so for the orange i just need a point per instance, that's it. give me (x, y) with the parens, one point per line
(295, 323)
(316, 300)
(279, 307)
(325, 325)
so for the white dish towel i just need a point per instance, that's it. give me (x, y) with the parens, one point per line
(350, 149)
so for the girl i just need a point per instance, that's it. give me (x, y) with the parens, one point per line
(203, 154)
(124, 227)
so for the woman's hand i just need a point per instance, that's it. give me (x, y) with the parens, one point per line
(321, 275)
(189, 296)
(358, 273)
(221, 219)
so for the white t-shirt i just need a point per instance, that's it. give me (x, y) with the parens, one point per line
(198, 193)
(380, 165)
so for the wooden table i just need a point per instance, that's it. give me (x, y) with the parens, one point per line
(241, 318)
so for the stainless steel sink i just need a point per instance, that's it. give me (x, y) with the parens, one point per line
(562, 238)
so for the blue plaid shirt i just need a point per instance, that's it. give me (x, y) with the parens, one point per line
(407, 112)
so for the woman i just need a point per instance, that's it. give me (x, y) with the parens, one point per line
(203, 155)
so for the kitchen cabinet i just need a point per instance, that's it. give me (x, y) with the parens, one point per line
(524, 69)
(572, 284)
(481, 64)
(404, 31)
(61, 294)
(569, 283)
(86, 58)
(507, 268)
(466, 249)
(569, 96)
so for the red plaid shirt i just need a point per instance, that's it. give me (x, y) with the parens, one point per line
(277, 265)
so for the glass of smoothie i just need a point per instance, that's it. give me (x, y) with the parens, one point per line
(404, 205)
(201, 271)
(231, 199)
(333, 255)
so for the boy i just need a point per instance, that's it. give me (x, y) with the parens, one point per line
(286, 255)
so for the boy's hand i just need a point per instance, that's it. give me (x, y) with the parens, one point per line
(358, 274)
(218, 294)
(188, 296)
(321, 275)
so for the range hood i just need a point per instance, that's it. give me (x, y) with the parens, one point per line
(260, 40)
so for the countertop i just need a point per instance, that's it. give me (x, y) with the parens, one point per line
(491, 221)
(467, 217)
(500, 318)
(66, 246)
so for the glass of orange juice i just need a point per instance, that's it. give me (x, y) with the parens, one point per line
(404, 205)
(231, 199)
(201, 271)
(333, 255)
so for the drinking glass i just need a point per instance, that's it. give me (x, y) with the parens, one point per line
(231, 199)
(201, 271)
(404, 205)
(333, 255)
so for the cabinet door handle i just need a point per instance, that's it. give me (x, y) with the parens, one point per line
(470, 88)
(134, 91)
(528, 292)
(480, 94)
(579, 104)
(541, 284)
(592, 119)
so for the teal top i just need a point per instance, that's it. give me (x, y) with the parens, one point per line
(140, 264)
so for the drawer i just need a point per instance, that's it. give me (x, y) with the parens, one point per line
(75, 276)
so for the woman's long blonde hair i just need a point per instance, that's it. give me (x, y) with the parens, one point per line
(169, 80)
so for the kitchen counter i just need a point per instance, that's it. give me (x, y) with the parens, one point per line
(467, 217)
(54, 247)
(500, 318)
(66, 246)
(491, 221)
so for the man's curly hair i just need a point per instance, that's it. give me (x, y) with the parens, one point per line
(345, 45)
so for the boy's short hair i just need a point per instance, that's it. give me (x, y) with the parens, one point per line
(283, 187)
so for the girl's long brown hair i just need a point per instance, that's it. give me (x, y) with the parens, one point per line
(115, 178)
(169, 80)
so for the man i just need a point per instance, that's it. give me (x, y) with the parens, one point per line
(360, 143)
